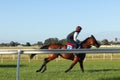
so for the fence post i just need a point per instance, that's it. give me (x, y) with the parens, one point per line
(13, 56)
(111, 56)
(1, 58)
(18, 65)
(104, 56)
(92, 56)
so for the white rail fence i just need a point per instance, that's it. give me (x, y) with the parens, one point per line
(92, 56)
(19, 52)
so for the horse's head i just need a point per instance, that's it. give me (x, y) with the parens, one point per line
(92, 41)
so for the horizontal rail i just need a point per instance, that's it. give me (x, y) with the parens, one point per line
(74, 51)
(8, 51)
(19, 52)
(61, 51)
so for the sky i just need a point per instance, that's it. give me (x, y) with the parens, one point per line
(37, 20)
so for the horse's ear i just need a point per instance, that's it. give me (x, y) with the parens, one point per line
(92, 36)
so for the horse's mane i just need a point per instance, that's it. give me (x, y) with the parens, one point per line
(85, 40)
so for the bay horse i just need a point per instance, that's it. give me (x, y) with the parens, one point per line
(87, 43)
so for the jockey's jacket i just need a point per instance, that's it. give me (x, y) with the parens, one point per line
(73, 35)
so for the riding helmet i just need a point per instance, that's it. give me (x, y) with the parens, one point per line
(78, 28)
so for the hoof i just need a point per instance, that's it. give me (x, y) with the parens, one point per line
(66, 71)
(38, 71)
(82, 71)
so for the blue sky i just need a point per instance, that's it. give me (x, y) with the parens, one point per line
(37, 20)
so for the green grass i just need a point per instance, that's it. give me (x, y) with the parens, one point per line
(94, 70)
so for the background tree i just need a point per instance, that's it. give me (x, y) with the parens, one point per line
(28, 44)
(12, 43)
(39, 43)
(50, 41)
(105, 42)
(63, 41)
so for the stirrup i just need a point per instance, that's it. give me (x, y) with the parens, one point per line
(79, 47)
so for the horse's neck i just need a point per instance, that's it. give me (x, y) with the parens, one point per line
(85, 45)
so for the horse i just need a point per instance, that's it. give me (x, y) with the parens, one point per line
(87, 43)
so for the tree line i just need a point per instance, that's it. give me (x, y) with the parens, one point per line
(54, 40)
(39, 43)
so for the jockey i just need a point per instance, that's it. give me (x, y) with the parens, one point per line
(72, 37)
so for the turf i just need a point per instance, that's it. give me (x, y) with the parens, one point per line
(94, 70)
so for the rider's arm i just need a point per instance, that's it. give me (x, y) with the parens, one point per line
(75, 36)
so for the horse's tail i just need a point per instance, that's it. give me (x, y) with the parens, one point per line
(43, 47)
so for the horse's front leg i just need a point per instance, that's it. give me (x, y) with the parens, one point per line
(72, 65)
(81, 65)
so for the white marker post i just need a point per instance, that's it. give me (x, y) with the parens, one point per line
(18, 65)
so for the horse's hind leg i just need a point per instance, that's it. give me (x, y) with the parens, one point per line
(46, 60)
(81, 65)
(43, 65)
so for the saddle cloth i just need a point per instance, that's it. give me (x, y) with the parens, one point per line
(69, 45)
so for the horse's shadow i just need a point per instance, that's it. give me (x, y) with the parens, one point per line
(103, 70)
(106, 70)
(111, 78)
(10, 66)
